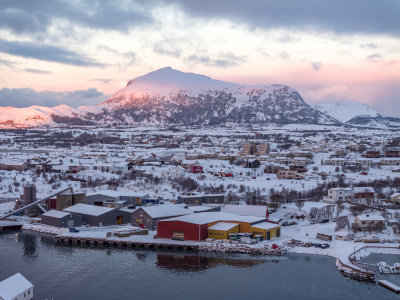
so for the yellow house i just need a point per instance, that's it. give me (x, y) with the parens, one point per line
(221, 230)
(267, 230)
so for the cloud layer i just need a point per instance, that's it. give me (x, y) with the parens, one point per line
(340, 16)
(26, 97)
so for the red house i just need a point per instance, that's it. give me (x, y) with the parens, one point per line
(195, 169)
(360, 193)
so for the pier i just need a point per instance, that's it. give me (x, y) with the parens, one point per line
(166, 244)
(390, 286)
(102, 242)
(9, 225)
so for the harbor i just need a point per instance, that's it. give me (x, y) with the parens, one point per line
(161, 273)
(10, 226)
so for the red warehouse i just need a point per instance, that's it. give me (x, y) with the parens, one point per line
(193, 227)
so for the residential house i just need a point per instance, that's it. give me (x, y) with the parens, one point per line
(16, 287)
(288, 174)
(339, 194)
(363, 193)
(395, 198)
(369, 222)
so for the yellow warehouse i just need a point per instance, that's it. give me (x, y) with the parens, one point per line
(267, 230)
(221, 230)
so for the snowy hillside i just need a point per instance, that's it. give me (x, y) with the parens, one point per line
(345, 111)
(168, 96)
(31, 116)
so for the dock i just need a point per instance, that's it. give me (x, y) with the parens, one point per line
(9, 225)
(390, 286)
(164, 244)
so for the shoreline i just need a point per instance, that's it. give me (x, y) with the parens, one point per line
(346, 254)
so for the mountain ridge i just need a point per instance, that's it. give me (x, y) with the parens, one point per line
(169, 96)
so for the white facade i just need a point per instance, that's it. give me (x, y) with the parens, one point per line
(339, 194)
(16, 287)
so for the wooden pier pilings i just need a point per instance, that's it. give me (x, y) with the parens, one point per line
(206, 247)
(9, 227)
(101, 242)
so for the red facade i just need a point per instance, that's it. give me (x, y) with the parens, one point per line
(372, 154)
(364, 195)
(51, 203)
(196, 169)
(192, 232)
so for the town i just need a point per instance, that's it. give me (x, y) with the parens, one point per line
(322, 190)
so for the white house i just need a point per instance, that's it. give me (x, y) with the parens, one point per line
(395, 198)
(339, 194)
(16, 287)
(369, 221)
(172, 173)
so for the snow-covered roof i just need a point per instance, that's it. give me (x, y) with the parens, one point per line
(202, 195)
(249, 219)
(204, 218)
(265, 225)
(88, 209)
(341, 189)
(161, 211)
(199, 208)
(245, 210)
(223, 226)
(363, 189)
(369, 217)
(13, 286)
(56, 214)
(395, 195)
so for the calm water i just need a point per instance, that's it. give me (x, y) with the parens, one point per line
(82, 273)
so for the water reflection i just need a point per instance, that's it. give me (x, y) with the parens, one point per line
(192, 262)
(141, 256)
(29, 246)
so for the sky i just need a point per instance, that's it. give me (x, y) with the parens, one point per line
(81, 52)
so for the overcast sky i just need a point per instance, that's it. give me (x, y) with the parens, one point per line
(81, 52)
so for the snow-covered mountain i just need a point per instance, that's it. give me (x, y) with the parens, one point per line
(168, 96)
(357, 114)
(345, 111)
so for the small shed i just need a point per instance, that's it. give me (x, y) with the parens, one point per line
(267, 230)
(221, 230)
(16, 287)
(61, 219)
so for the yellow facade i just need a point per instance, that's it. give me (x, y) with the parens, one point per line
(222, 234)
(273, 232)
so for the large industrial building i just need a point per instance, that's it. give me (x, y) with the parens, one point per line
(61, 219)
(97, 215)
(148, 216)
(200, 226)
(65, 200)
(202, 199)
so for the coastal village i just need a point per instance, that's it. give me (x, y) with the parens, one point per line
(326, 191)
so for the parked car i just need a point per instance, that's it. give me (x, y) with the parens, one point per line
(289, 223)
(73, 229)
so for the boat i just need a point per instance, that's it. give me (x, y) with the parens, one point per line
(384, 268)
(396, 268)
